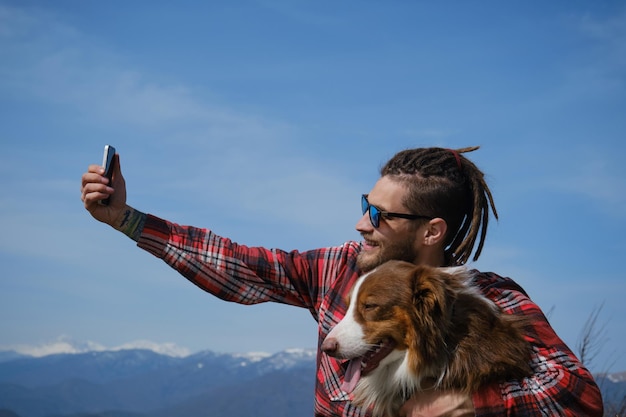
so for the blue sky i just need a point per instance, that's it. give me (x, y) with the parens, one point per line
(265, 121)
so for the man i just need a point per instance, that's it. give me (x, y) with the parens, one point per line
(430, 206)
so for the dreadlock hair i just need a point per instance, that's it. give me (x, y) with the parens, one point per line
(443, 183)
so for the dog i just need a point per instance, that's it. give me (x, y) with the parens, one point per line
(410, 328)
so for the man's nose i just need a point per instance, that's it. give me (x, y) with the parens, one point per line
(364, 224)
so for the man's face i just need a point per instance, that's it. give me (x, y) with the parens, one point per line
(395, 238)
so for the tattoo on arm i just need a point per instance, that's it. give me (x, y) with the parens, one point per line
(126, 217)
(132, 224)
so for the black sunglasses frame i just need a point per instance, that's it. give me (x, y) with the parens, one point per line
(376, 213)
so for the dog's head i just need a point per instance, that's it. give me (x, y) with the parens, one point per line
(398, 306)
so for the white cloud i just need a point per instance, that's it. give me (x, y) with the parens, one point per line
(604, 71)
(596, 178)
(611, 28)
(213, 140)
(45, 59)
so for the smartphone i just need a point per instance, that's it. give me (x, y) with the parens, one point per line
(107, 164)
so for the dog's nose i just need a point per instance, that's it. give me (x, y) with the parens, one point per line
(330, 345)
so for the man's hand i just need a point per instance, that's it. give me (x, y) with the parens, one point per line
(433, 403)
(95, 187)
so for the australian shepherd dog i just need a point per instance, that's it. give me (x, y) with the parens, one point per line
(409, 328)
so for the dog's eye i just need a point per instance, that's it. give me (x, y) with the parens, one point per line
(369, 306)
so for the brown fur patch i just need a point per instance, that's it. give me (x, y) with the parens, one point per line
(452, 333)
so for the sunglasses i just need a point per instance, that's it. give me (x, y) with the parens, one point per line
(376, 213)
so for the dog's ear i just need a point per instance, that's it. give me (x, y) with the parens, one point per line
(431, 293)
(432, 302)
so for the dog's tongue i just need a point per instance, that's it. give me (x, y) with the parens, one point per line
(353, 373)
(365, 364)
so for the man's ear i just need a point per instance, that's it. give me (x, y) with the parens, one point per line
(435, 232)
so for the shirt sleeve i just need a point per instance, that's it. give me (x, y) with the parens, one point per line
(560, 384)
(233, 272)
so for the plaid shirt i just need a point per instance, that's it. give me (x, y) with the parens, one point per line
(319, 281)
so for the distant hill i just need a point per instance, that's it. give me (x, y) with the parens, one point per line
(135, 383)
(613, 388)
(142, 383)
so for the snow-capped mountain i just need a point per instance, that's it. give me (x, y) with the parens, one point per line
(65, 344)
(145, 382)
(617, 377)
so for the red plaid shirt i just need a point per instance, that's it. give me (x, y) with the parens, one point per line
(319, 280)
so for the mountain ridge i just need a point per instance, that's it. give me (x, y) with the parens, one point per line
(142, 383)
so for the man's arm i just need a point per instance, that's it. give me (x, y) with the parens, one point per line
(560, 384)
(438, 404)
(131, 223)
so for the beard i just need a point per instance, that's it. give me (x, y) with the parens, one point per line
(385, 251)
